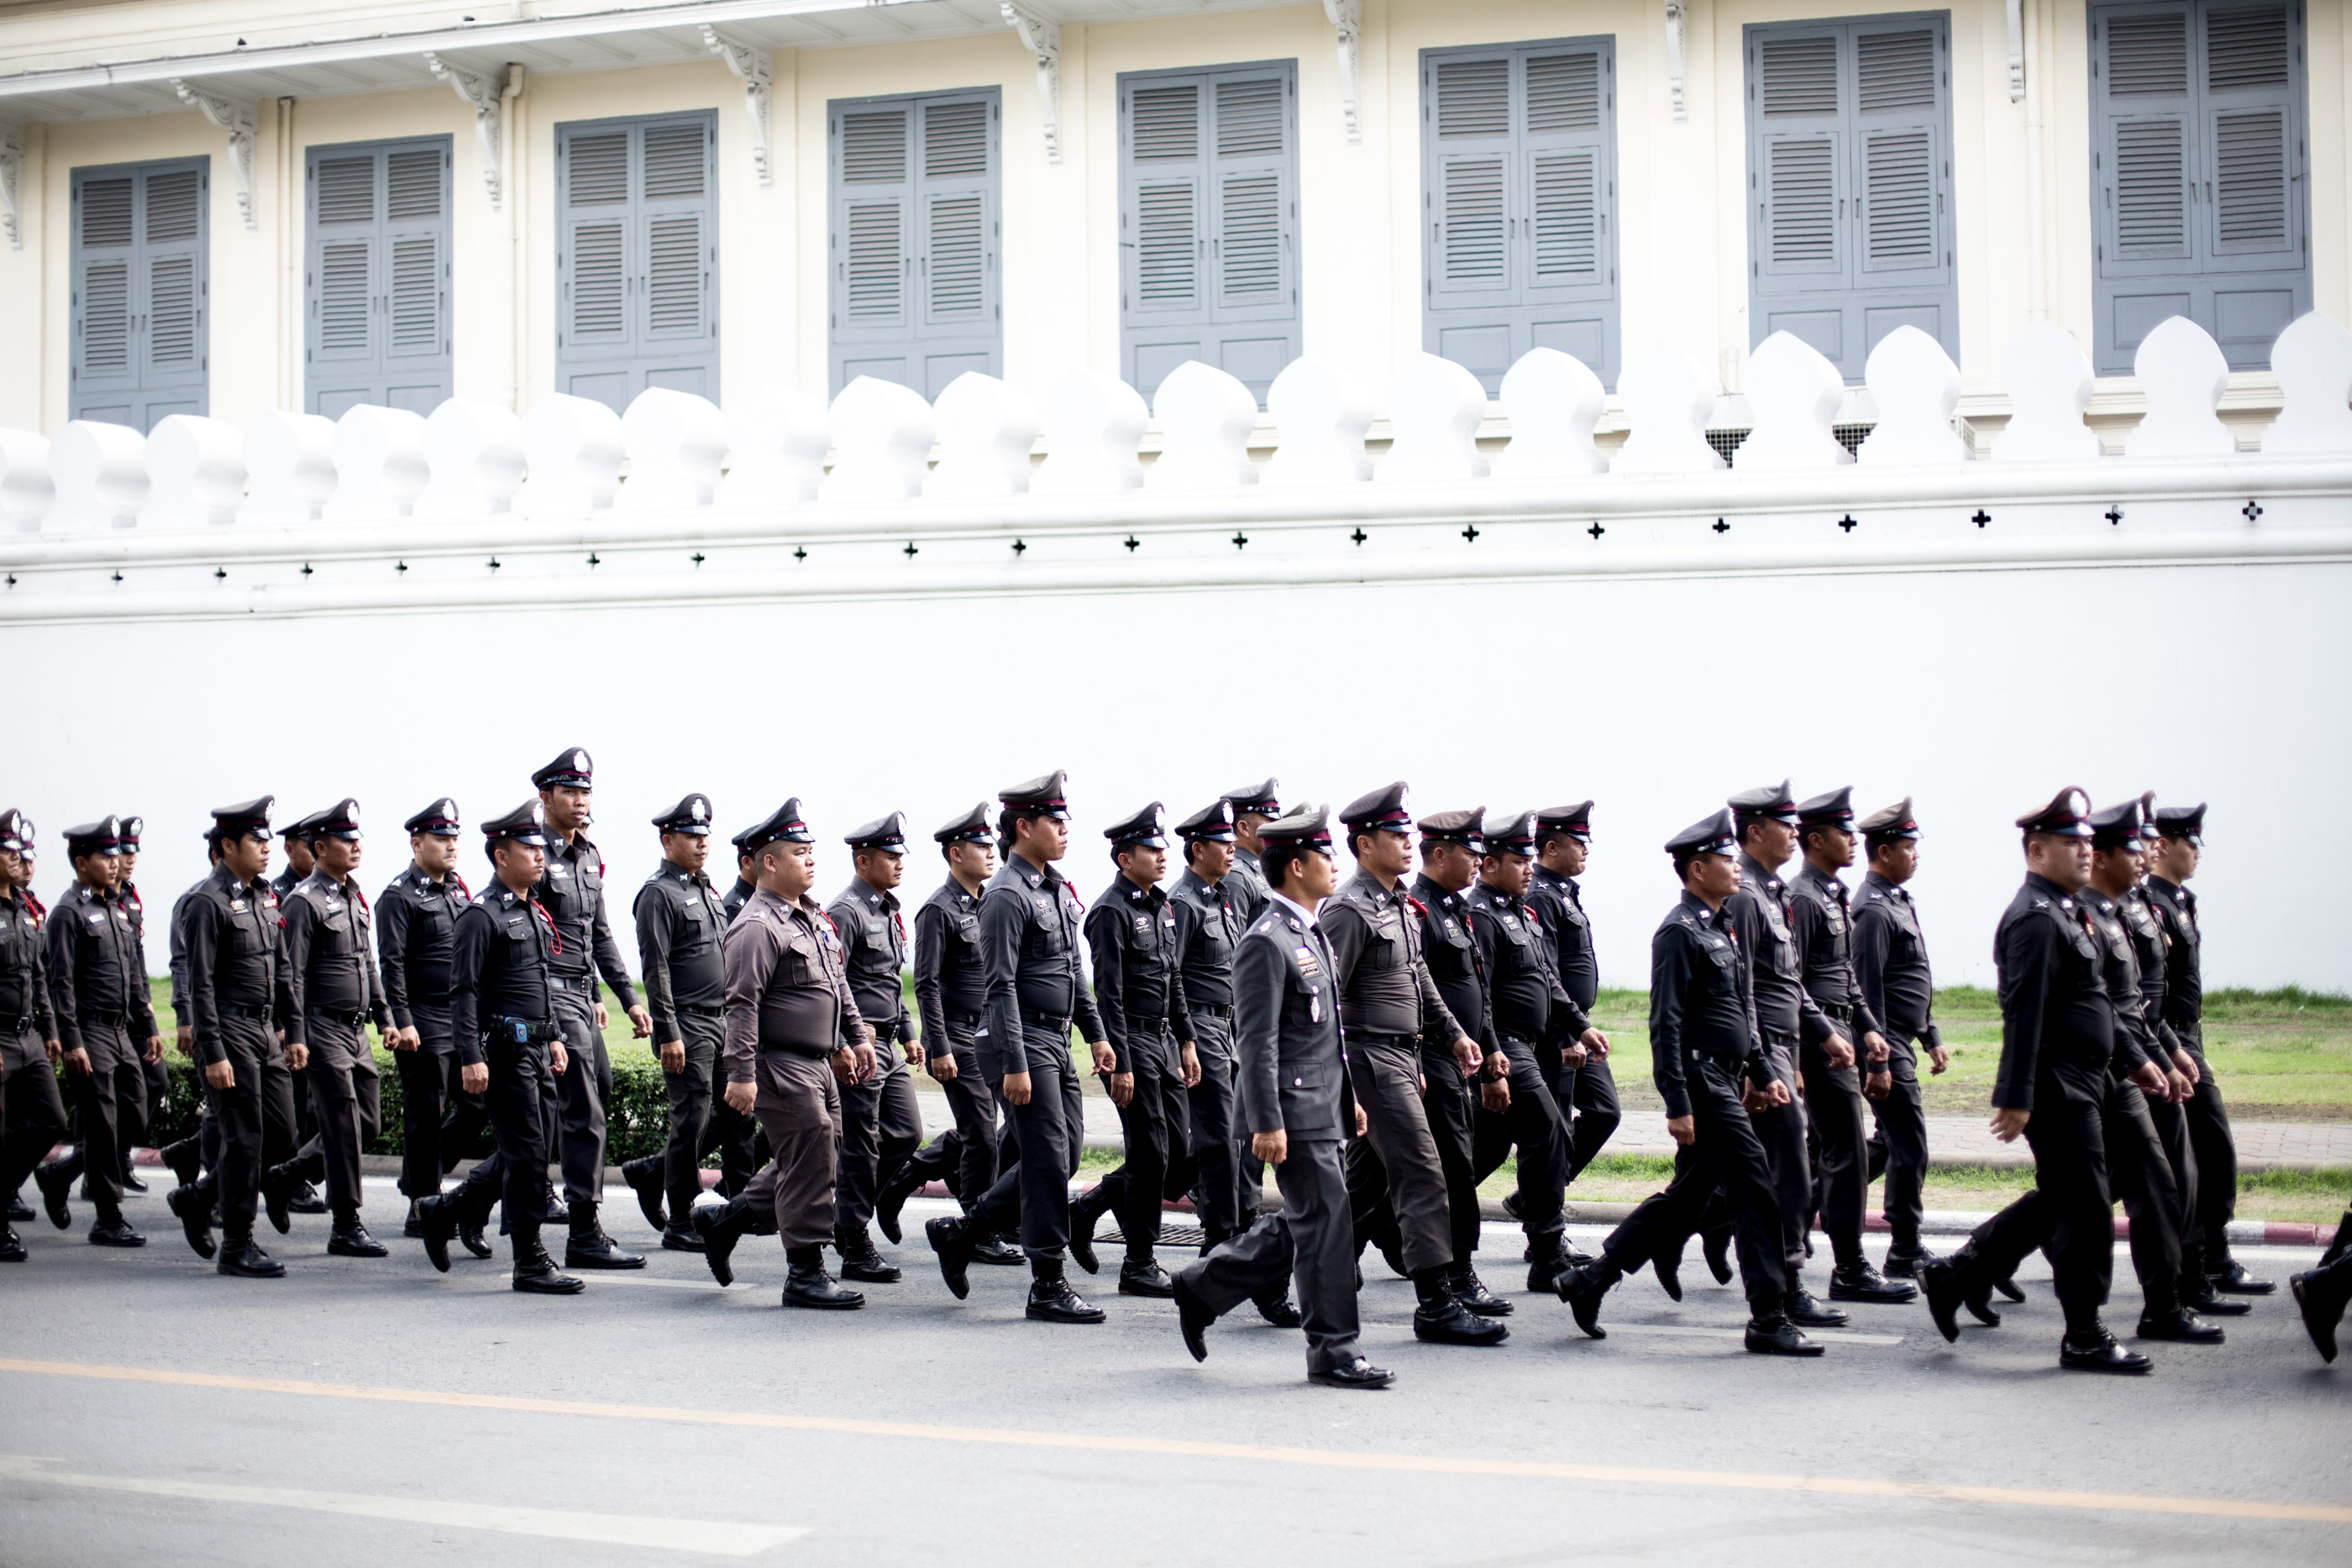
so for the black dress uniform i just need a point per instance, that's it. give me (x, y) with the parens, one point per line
(1703, 1044)
(1249, 890)
(1293, 1082)
(679, 923)
(1534, 1019)
(1132, 935)
(416, 941)
(231, 935)
(1390, 1008)
(159, 1077)
(305, 1198)
(572, 893)
(1209, 925)
(2209, 1117)
(1029, 920)
(1590, 1089)
(1890, 964)
(328, 990)
(881, 1120)
(502, 1014)
(200, 1150)
(951, 994)
(1821, 919)
(1451, 1102)
(2057, 1039)
(34, 1118)
(98, 991)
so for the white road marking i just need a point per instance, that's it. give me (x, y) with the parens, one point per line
(1694, 1331)
(711, 1537)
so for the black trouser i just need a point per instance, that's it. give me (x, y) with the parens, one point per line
(1534, 1124)
(2141, 1174)
(1218, 1141)
(1034, 1191)
(1724, 1153)
(254, 1117)
(881, 1125)
(1834, 1117)
(1398, 1156)
(2069, 1214)
(110, 1105)
(2179, 1151)
(438, 1120)
(1152, 1122)
(159, 1099)
(35, 1117)
(522, 1085)
(576, 1101)
(1900, 1141)
(964, 1156)
(2216, 1148)
(344, 1092)
(693, 1105)
(1313, 1237)
(1590, 1090)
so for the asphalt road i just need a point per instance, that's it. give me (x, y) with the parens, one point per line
(376, 1412)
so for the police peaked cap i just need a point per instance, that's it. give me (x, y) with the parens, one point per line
(1212, 823)
(1256, 800)
(783, 823)
(245, 817)
(1456, 828)
(526, 824)
(1894, 821)
(2068, 814)
(971, 828)
(1146, 828)
(690, 816)
(1046, 795)
(1833, 810)
(1575, 820)
(888, 834)
(439, 819)
(2115, 827)
(1512, 833)
(1382, 809)
(2182, 822)
(103, 837)
(1709, 836)
(1766, 802)
(571, 768)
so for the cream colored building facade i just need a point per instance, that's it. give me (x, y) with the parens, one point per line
(89, 87)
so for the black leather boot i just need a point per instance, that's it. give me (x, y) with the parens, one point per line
(1776, 1335)
(192, 1207)
(1469, 1289)
(644, 1178)
(1087, 1210)
(535, 1272)
(115, 1232)
(1547, 1259)
(806, 1284)
(951, 1239)
(12, 1246)
(1582, 1286)
(859, 1260)
(1801, 1307)
(681, 1237)
(1858, 1282)
(1144, 1277)
(1193, 1319)
(2098, 1351)
(242, 1259)
(2179, 1325)
(277, 1186)
(721, 1229)
(891, 1201)
(2320, 1296)
(186, 1159)
(305, 1198)
(19, 1211)
(1277, 1307)
(2230, 1275)
(1051, 1300)
(1716, 1244)
(997, 1252)
(436, 1222)
(1668, 1267)
(1442, 1319)
(471, 1237)
(589, 1248)
(350, 1239)
(55, 1181)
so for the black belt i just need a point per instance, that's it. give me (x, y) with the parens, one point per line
(968, 1019)
(698, 1010)
(96, 1017)
(1051, 1023)
(347, 1017)
(20, 1026)
(239, 1010)
(534, 1028)
(1213, 1009)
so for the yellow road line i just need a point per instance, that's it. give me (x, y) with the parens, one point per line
(1119, 1443)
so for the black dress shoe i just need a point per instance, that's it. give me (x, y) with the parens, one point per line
(810, 1286)
(677, 1240)
(721, 1229)
(437, 1221)
(2102, 1355)
(2319, 1296)
(1193, 1319)
(1053, 1302)
(1278, 1310)
(471, 1237)
(133, 1182)
(535, 1274)
(187, 1159)
(1447, 1321)
(277, 1198)
(2181, 1326)
(1861, 1282)
(588, 1247)
(1940, 1281)
(1356, 1374)
(1543, 1273)
(644, 1178)
(1716, 1244)
(1472, 1292)
(12, 1246)
(1778, 1337)
(246, 1260)
(2232, 1277)
(891, 1202)
(2009, 1288)
(1582, 1288)
(116, 1234)
(860, 1261)
(1907, 1265)
(1144, 1277)
(948, 1238)
(54, 1184)
(997, 1252)
(305, 1200)
(1085, 1213)
(195, 1217)
(1806, 1310)
(1669, 1272)
(2199, 1296)
(19, 1211)
(1511, 1203)
(412, 1229)
(352, 1240)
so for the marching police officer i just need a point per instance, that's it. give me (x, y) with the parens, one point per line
(1563, 844)
(35, 1117)
(1703, 1045)
(1252, 806)
(502, 1015)
(1535, 1019)
(416, 941)
(951, 994)
(1139, 992)
(1029, 932)
(1389, 1006)
(793, 1038)
(574, 896)
(199, 1150)
(231, 932)
(329, 989)
(98, 992)
(1821, 918)
(1890, 962)
(1286, 1034)
(18, 1210)
(679, 923)
(881, 1121)
(2180, 851)
(299, 863)
(159, 1077)
(745, 873)
(2057, 1036)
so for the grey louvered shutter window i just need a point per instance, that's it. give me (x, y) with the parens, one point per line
(1520, 193)
(1209, 223)
(140, 293)
(2199, 162)
(913, 242)
(636, 257)
(1850, 224)
(377, 276)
